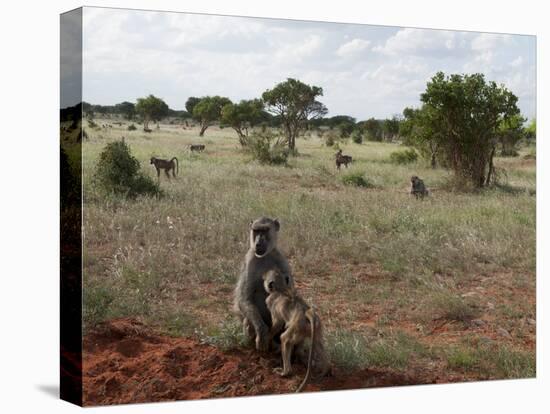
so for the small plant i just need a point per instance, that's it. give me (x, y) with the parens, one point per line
(267, 148)
(119, 172)
(404, 157)
(228, 335)
(132, 127)
(356, 179)
(92, 124)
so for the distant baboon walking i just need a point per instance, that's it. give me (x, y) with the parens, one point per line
(197, 147)
(249, 301)
(342, 159)
(418, 189)
(299, 321)
(166, 165)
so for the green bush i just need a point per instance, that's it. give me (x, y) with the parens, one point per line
(92, 124)
(119, 172)
(132, 127)
(267, 148)
(356, 179)
(404, 157)
(357, 137)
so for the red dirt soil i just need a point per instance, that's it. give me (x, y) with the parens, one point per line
(127, 362)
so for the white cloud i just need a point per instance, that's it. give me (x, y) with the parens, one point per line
(516, 62)
(421, 42)
(489, 41)
(353, 48)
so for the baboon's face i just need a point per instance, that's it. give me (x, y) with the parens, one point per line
(263, 235)
(414, 179)
(275, 281)
(152, 160)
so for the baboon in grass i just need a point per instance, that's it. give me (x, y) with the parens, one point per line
(250, 295)
(342, 159)
(166, 165)
(418, 189)
(197, 147)
(299, 322)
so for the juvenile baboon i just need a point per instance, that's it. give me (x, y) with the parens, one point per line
(418, 189)
(147, 130)
(342, 159)
(166, 165)
(300, 323)
(249, 300)
(197, 147)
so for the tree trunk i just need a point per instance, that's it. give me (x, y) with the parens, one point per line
(204, 126)
(433, 161)
(491, 167)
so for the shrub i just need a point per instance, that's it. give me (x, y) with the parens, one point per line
(267, 148)
(356, 179)
(132, 127)
(404, 157)
(92, 124)
(357, 137)
(119, 172)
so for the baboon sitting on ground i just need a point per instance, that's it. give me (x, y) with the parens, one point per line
(250, 295)
(300, 323)
(342, 159)
(165, 165)
(418, 189)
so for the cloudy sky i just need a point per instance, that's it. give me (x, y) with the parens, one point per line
(365, 71)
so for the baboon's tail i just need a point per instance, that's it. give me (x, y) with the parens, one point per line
(177, 165)
(310, 315)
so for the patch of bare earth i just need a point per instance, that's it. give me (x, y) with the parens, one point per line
(127, 362)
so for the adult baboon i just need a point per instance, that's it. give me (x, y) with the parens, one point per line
(299, 321)
(166, 165)
(418, 189)
(249, 300)
(197, 147)
(342, 159)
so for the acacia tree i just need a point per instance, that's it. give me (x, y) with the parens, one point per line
(295, 103)
(243, 115)
(208, 110)
(151, 108)
(469, 111)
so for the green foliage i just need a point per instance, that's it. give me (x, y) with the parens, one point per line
(406, 156)
(119, 172)
(373, 129)
(295, 103)
(208, 110)
(267, 148)
(356, 179)
(357, 136)
(509, 133)
(190, 104)
(126, 109)
(346, 129)
(531, 129)
(151, 108)
(242, 116)
(467, 112)
(227, 336)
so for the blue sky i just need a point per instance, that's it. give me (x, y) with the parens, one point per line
(365, 71)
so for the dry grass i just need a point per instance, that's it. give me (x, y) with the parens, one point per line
(361, 254)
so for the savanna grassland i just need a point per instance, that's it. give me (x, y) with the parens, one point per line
(437, 290)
